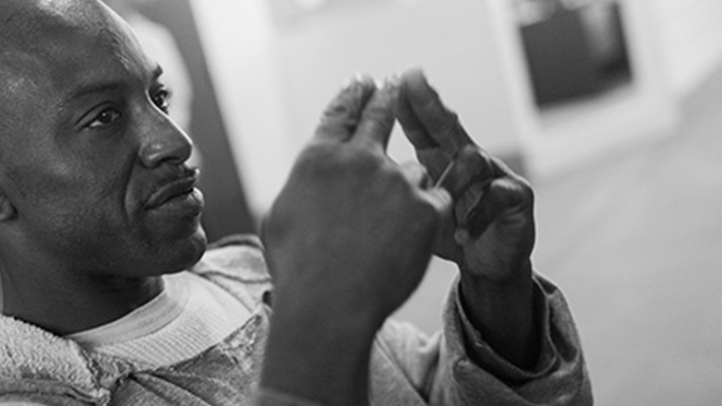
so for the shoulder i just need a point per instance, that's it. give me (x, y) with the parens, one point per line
(237, 264)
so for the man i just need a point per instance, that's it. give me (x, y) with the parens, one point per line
(109, 295)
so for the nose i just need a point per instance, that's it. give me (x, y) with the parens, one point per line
(162, 141)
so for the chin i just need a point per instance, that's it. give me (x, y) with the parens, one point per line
(183, 254)
(196, 247)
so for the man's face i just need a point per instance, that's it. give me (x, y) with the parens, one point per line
(89, 159)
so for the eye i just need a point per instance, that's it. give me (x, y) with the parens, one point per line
(105, 118)
(160, 98)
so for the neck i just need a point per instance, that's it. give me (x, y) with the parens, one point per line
(67, 308)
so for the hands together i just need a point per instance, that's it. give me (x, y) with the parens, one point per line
(349, 221)
(348, 240)
(347, 202)
(491, 234)
(351, 234)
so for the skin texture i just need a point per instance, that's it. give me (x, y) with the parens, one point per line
(88, 155)
(491, 235)
(350, 235)
(348, 240)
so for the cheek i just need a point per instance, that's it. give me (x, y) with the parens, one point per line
(65, 206)
(72, 179)
(93, 236)
(58, 192)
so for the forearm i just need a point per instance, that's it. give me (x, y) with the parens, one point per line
(504, 314)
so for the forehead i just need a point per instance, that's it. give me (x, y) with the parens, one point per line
(51, 48)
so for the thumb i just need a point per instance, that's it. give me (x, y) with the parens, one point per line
(472, 165)
(504, 197)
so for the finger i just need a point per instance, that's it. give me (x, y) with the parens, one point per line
(470, 199)
(340, 119)
(504, 197)
(440, 200)
(471, 165)
(439, 124)
(413, 128)
(416, 175)
(377, 119)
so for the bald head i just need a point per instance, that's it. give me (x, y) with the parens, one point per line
(43, 27)
(24, 22)
(41, 40)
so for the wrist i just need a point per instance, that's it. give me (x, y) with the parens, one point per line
(503, 313)
(319, 349)
(499, 281)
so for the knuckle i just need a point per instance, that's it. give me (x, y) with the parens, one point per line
(447, 123)
(314, 155)
(361, 159)
(522, 190)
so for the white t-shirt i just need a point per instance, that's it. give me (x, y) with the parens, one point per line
(189, 316)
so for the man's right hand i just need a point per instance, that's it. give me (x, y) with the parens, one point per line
(348, 240)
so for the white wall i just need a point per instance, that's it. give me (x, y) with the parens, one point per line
(274, 81)
(452, 40)
(690, 36)
(239, 41)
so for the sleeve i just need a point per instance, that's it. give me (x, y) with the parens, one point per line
(39, 399)
(269, 397)
(443, 372)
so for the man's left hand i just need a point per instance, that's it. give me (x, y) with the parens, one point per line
(491, 235)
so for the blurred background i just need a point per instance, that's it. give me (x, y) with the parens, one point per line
(612, 109)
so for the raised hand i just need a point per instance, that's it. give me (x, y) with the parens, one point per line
(491, 234)
(348, 212)
(348, 240)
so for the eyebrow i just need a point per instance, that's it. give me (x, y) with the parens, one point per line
(100, 87)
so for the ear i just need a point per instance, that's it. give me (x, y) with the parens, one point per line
(7, 209)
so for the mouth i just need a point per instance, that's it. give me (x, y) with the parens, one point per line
(179, 194)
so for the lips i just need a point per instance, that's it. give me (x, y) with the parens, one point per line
(176, 191)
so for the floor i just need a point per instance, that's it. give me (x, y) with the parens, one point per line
(636, 245)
